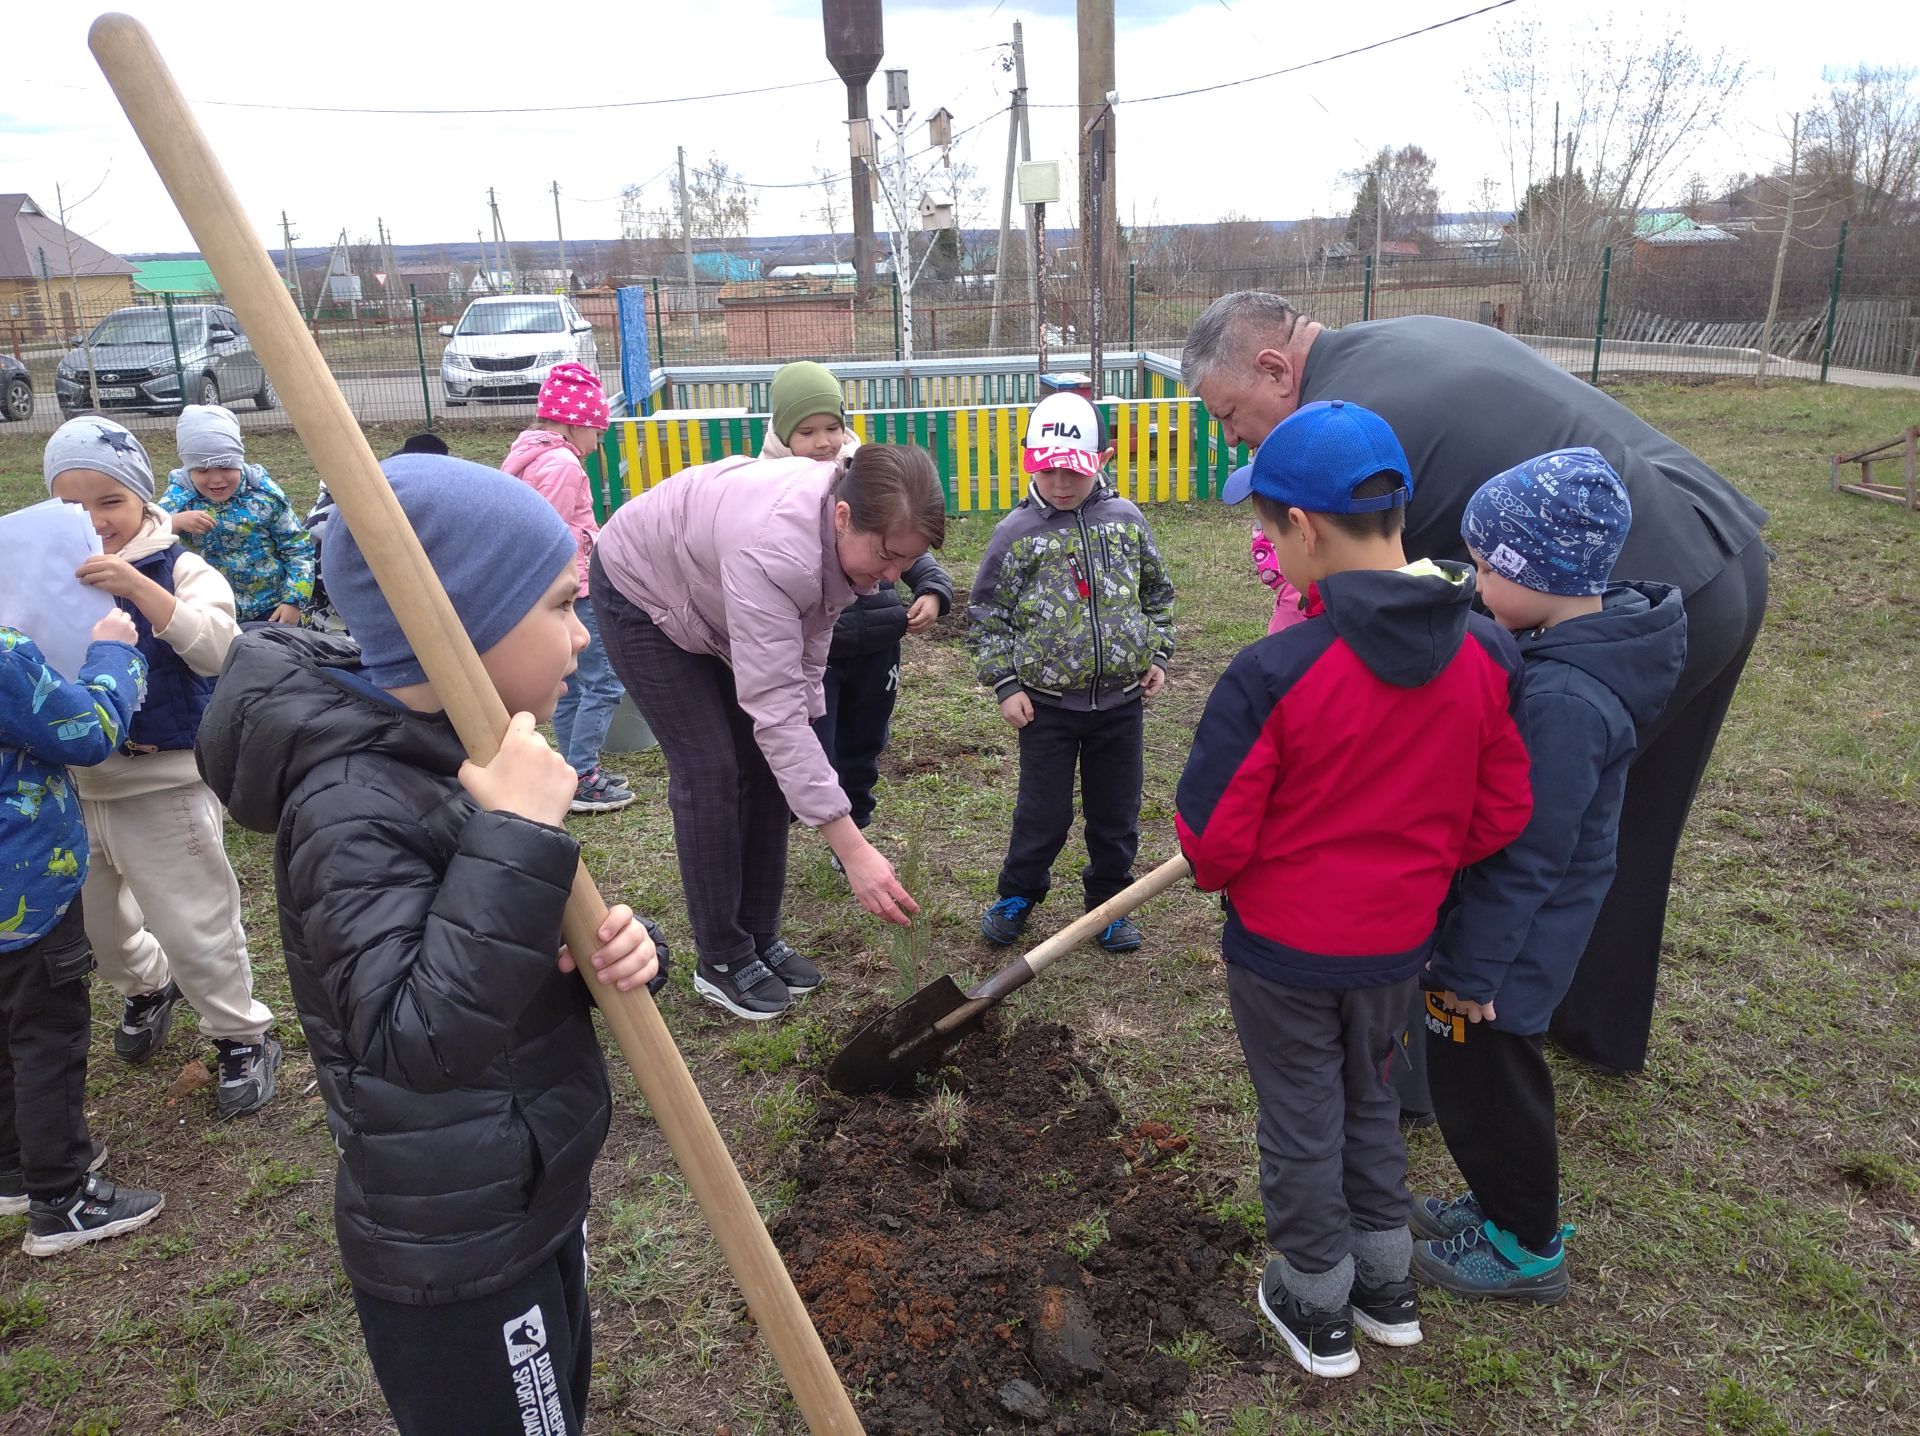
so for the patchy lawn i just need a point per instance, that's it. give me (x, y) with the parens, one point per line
(1748, 1257)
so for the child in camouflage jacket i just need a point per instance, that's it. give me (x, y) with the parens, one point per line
(1071, 621)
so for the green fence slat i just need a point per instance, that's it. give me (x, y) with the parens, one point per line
(942, 451)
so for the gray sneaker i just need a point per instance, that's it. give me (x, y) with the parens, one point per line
(597, 792)
(145, 1021)
(747, 989)
(249, 1072)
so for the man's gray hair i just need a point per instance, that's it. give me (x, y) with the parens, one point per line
(1222, 333)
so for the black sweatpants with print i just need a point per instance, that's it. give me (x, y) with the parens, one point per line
(45, 1026)
(860, 694)
(1107, 744)
(1493, 1094)
(517, 1362)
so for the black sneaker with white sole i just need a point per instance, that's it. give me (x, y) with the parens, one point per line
(249, 1071)
(1388, 1314)
(92, 1212)
(145, 1021)
(800, 976)
(13, 1183)
(747, 989)
(1320, 1342)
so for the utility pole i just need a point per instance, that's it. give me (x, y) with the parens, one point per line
(1095, 28)
(1379, 213)
(486, 264)
(293, 269)
(1779, 262)
(1097, 129)
(566, 280)
(391, 283)
(1016, 127)
(502, 250)
(686, 243)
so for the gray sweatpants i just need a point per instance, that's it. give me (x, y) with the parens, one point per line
(1333, 1165)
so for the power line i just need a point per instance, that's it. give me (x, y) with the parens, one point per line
(958, 135)
(1305, 65)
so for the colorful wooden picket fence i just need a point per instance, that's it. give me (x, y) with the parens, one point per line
(1167, 450)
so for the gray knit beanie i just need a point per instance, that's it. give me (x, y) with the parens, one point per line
(208, 437)
(99, 444)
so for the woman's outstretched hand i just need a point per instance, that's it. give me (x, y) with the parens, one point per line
(869, 874)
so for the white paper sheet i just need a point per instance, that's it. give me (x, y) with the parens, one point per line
(40, 547)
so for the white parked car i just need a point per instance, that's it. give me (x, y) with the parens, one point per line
(505, 344)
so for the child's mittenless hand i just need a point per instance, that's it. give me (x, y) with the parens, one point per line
(922, 613)
(193, 521)
(116, 627)
(1155, 680)
(526, 777)
(1017, 710)
(1467, 1007)
(626, 957)
(284, 613)
(113, 574)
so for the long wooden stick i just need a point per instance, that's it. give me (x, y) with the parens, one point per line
(206, 201)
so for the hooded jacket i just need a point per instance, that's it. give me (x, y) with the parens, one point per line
(552, 466)
(257, 542)
(1072, 605)
(464, 1084)
(46, 723)
(739, 559)
(1345, 768)
(1525, 913)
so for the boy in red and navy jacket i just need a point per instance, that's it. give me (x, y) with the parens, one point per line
(1343, 771)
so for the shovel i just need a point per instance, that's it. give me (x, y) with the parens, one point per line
(913, 1036)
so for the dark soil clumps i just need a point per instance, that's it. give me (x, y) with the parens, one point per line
(1000, 1254)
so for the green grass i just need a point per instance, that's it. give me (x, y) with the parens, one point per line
(1749, 1239)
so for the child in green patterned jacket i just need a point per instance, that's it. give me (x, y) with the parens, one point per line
(235, 517)
(1071, 620)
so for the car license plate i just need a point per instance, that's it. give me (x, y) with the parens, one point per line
(118, 391)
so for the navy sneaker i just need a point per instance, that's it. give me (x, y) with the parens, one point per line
(92, 1212)
(1434, 1219)
(1388, 1314)
(1120, 935)
(1003, 923)
(1489, 1261)
(1320, 1342)
(800, 976)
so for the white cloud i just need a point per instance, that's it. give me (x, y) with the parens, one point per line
(1276, 148)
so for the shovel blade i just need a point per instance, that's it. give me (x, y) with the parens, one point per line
(896, 1045)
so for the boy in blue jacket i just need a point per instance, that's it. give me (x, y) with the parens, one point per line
(1601, 660)
(49, 1164)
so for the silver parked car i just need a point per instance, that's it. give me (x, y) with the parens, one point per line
(505, 344)
(133, 352)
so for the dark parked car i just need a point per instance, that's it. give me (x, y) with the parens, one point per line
(133, 357)
(16, 390)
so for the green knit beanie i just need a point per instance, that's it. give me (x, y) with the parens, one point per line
(799, 392)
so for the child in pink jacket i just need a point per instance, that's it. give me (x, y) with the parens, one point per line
(1286, 598)
(572, 415)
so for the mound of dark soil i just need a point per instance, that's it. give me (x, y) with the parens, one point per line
(1001, 1253)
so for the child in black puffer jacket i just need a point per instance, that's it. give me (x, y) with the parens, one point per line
(863, 666)
(420, 900)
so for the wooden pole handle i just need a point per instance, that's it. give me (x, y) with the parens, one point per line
(206, 201)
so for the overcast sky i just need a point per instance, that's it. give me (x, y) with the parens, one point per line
(1274, 148)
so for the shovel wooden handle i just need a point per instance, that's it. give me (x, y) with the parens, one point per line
(207, 202)
(1029, 965)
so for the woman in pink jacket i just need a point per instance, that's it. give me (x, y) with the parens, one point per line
(717, 592)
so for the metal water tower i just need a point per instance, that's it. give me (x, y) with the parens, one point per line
(855, 47)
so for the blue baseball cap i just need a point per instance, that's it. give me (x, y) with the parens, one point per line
(1318, 455)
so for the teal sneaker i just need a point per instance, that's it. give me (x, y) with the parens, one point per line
(1488, 1261)
(1434, 1219)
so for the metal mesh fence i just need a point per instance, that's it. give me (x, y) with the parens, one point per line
(1849, 308)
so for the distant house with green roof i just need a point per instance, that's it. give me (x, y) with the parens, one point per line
(153, 278)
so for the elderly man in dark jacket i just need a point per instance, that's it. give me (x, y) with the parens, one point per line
(1469, 402)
